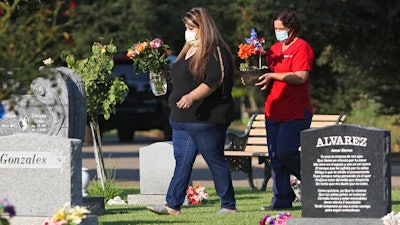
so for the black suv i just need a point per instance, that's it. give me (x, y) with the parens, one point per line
(141, 110)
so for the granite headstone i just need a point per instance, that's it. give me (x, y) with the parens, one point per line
(157, 164)
(41, 138)
(56, 107)
(40, 173)
(345, 172)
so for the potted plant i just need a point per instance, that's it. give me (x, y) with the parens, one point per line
(254, 46)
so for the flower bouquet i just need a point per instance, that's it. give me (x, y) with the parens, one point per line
(151, 57)
(254, 46)
(391, 218)
(67, 216)
(6, 207)
(196, 195)
(280, 219)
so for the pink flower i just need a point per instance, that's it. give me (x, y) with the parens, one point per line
(267, 219)
(156, 43)
(196, 195)
(280, 220)
(48, 221)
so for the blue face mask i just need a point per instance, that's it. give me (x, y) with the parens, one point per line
(281, 35)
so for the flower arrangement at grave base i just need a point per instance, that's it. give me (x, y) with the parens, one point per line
(279, 220)
(151, 57)
(6, 207)
(196, 195)
(67, 216)
(254, 47)
(391, 219)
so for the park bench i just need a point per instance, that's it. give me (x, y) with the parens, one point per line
(253, 143)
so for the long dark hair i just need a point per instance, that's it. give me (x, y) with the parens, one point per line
(210, 38)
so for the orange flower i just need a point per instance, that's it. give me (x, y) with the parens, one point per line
(141, 46)
(129, 53)
(246, 51)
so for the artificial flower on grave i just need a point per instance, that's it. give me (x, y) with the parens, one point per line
(1, 110)
(254, 46)
(196, 195)
(391, 219)
(6, 207)
(280, 219)
(48, 62)
(67, 216)
(151, 57)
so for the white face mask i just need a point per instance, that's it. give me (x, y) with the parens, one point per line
(281, 35)
(190, 37)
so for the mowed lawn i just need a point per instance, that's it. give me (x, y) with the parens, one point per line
(248, 204)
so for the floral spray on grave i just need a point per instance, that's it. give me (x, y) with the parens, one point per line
(196, 195)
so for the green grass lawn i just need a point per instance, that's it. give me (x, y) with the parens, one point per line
(248, 204)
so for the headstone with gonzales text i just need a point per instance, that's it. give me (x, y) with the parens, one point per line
(345, 172)
(40, 173)
(41, 138)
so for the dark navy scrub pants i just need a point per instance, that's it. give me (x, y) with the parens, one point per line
(283, 140)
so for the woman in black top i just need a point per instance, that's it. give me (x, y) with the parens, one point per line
(201, 110)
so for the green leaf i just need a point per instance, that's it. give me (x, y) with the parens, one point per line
(4, 221)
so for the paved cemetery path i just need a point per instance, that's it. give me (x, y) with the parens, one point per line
(124, 159)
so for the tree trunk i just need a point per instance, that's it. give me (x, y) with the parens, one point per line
(98, 153)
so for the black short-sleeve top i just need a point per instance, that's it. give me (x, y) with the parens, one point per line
(218, 107)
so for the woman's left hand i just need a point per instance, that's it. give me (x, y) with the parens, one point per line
(185, 102)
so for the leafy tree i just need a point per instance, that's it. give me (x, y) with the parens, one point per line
(357, 50)
(355, 42)
(122, 22)
(103, 91)
(29, 33)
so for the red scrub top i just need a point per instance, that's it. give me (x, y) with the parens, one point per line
(286, 101)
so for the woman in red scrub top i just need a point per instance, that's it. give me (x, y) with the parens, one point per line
(288, 108)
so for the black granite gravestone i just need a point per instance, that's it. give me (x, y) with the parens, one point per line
(345, 172)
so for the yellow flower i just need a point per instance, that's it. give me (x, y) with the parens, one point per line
(76, 214)
(59, 214)
(103, 50)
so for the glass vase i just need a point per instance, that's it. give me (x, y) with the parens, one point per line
(158, 84)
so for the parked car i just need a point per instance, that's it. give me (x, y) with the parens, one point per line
(141, 110)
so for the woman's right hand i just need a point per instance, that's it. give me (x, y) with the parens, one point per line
(265, 80)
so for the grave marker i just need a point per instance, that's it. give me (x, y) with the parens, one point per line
(56, 107)
(40, 173)
(40, 147)
(345, 172)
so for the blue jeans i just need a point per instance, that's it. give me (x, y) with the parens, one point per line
(188, 140)
(283, 140)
